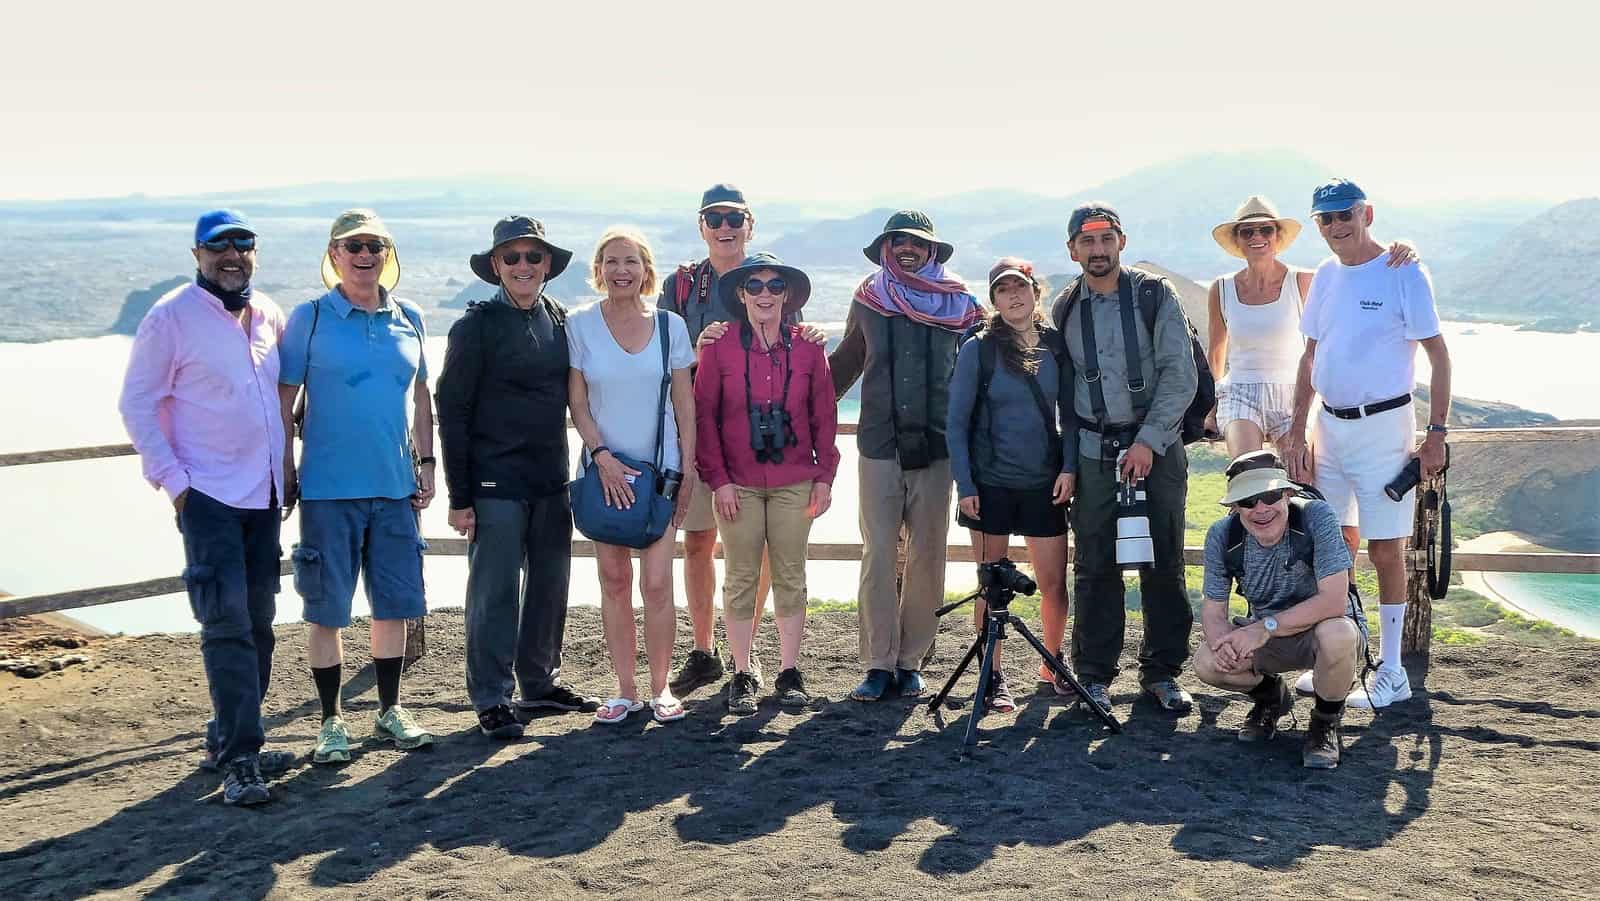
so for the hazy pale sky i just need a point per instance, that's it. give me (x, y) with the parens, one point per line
(827, 100)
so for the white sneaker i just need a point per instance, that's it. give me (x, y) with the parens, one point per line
(1303, 686)
(1390, 685)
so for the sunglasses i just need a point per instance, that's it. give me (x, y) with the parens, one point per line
(903, 240)
(1266, 497)
(1250, 231)
(376, 248)
(715, 219)
(512, 257)
(1326, 219)
(243, 244)
(776, 286)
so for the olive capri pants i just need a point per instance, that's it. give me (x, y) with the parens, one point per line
(774, 519)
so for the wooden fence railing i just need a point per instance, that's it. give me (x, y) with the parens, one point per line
(1562, 563)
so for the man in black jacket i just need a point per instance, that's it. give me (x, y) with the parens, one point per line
(502, 401)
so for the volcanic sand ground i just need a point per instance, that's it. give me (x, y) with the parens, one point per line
(1481, 786)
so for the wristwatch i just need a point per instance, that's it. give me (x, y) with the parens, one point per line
(1435, 427)
(1271, 625)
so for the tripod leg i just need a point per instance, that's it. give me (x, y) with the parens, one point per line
(961, 667)
(1066, 676)
(991, 637)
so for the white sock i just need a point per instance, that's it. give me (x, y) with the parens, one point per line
(1391, 622)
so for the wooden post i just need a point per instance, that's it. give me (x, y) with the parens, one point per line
(416, 639)
(1417, 637)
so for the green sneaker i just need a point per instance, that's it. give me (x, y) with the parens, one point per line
(399, 726)
(333, 742)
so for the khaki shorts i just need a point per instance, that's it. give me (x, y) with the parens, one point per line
(1289, 654)
(698, 518)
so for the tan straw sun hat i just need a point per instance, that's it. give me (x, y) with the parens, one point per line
(361, 222)
(1256, 208)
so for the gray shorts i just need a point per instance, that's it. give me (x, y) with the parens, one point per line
(375, 538)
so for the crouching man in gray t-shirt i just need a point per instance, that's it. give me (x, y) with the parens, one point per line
(1289, 560)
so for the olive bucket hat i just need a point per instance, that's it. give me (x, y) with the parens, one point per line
(916, 224)
(729, 282)
(513, 228)
(351, 223)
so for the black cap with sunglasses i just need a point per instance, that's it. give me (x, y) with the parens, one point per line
(513, 228)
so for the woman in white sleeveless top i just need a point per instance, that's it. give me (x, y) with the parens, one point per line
(1255, 326)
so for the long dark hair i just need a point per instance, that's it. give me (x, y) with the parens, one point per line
(1014, 354)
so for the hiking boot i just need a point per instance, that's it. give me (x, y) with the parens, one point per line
(1321, 750)
(499, 722)
(701, 668)
(742, 700)
(790, 689)
(1169, 695)
(872, 688)
(398, 725)
(560, 698)
(333, 742)
(1098, 692)
(271, 763)
(242, 784)
(999, 695)
(910, 682)
(1388, 685)
(1272, 703)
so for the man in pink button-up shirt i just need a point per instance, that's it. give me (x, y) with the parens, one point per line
(200, 401)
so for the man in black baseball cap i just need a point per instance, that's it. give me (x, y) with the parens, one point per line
(1131, 379)
(503, 434)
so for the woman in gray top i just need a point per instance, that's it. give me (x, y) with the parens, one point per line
(1005, 449)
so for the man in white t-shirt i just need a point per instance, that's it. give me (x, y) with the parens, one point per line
(1363, 322)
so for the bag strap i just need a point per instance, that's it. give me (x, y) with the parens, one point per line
(1091, 359)
(1138, 389)
(666, 379)
(299, 414)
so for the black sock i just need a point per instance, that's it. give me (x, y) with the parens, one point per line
(388, 681)
(327, 679)
(1267, 689)
(1330, 708)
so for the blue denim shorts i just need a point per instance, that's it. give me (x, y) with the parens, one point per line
(375, 538)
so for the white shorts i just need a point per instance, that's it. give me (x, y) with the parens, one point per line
(1269, 405)
(1355, 458)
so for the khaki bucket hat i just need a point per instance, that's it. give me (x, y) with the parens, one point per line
(361, 222)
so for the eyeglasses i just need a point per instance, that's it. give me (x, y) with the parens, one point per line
(243, 244)
(1250, 231)
(715, 219)
(1266, 497)
(1326, 219)
(776, 286)
(376, 248)
(512, 257)
(902, 240)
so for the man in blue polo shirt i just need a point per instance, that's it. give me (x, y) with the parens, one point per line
(358, 352)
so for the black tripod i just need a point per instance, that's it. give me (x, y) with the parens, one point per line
(998, 583)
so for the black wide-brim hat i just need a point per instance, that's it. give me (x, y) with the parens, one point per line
(728, 284)
(513, 228)
(916, 224)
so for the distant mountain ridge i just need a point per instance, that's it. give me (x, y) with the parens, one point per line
(1545, 273)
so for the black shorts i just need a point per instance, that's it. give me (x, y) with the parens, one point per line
(1028, 512)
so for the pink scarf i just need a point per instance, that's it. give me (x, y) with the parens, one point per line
(929, 296)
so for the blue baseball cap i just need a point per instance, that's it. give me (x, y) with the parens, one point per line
(219, 222)
(1338, 194)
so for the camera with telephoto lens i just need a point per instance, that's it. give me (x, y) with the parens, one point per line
(1408, 479)
(771, 430)
(1135, 549)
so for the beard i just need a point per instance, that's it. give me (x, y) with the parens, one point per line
(1098, 266)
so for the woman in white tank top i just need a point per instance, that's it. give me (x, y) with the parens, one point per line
(1255, 326)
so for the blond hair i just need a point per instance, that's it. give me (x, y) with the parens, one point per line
(628, 233)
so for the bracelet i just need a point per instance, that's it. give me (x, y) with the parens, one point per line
(424, 461)
(1435, 427)
(597, 449)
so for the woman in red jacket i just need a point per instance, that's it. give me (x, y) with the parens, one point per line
(765, 419)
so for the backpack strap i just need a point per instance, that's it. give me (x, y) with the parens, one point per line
(1233, 547)
(1138, 389)
(1091, 360)
(684, 286)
